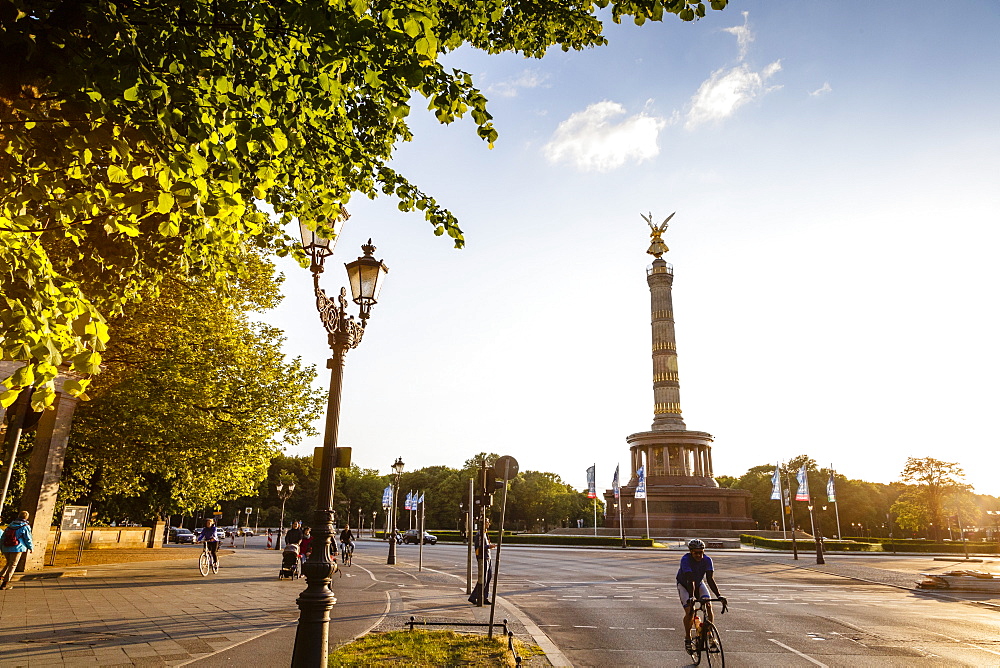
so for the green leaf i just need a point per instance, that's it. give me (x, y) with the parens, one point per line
(117, 175)
(87, 362)
(164, 202)
(279, 140)
(132, 94)
(8, 397)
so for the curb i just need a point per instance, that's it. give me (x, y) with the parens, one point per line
(552, 652)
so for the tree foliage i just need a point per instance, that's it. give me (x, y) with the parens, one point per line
(143, 139)
(194, 404)
(935, 481)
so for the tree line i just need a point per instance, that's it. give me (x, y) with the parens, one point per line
(536, 500)
(930, 500)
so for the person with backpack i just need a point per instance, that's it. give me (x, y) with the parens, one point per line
(16, 540)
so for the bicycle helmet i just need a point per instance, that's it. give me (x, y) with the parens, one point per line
(696, 544)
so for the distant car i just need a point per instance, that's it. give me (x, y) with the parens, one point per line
(181, 535)
(245, 531)
(412, 536)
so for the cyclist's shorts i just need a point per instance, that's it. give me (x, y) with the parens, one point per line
(701, 591)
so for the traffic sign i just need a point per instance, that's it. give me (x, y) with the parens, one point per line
(506, 463)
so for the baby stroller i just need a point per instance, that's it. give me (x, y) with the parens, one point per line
(289, 562)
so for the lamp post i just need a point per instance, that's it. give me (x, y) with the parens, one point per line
(283, 493)
(365, 276)
(397, 468)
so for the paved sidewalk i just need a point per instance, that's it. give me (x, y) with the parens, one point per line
(165, 613)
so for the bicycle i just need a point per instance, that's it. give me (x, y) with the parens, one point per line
(347, 553)
(206, 563)
(705, 637)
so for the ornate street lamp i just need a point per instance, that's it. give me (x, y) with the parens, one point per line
(283, 494)
(397, 467)
(344, 333)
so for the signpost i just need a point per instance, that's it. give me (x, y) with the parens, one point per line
(74, 519)
(508, 465)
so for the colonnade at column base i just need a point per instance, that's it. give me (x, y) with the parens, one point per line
(681, 507)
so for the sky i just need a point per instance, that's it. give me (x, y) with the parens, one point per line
(836, 181)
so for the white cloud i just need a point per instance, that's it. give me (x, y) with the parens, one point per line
(726, 91)
(743, 35)
(822, 90)
(591, 141)
(511, 87)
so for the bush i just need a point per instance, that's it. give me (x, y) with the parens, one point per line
(806, 545)
(872, 545)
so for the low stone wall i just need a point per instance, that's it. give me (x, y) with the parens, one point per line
(98, 538)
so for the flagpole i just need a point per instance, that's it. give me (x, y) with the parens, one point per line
(645, 504)
(791, 507)
(595, 515)
(621, 522)
(781, 502)
(836, 504)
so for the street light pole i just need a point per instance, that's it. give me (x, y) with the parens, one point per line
(344, 333)
(397, 467)
(283, 494)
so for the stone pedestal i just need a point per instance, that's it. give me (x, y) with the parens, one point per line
(156, 536)
(44, 470)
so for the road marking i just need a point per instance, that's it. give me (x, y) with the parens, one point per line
(660, 628)
(795, 651)
(962, 642)
(597, 597)
(584, 627)
(623, 597)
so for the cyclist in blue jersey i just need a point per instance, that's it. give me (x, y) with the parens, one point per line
(211, 535)
(695, 570)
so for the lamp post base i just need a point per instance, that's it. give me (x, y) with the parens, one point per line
(315, 602)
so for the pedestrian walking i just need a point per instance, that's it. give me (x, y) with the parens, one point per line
(483, 547)
(294, 535)
(16, 541)
(305, 547)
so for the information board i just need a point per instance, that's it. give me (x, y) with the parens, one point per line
(73, 518)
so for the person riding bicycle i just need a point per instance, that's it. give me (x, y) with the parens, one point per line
(695, 570)
(210, 535)
(346, 540)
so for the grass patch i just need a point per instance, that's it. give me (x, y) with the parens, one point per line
(429, 649)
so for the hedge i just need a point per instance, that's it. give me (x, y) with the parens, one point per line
(806, 545)
(544, 539)
(884, 545)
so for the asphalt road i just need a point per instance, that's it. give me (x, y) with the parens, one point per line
(617, 608)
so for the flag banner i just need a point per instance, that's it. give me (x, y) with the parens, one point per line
(615, 484)
(408, 504)
(592, 482)
(776, 484)
(640, 489)
(421, 500)
(803, 492)
(831, 491)
(387, 497)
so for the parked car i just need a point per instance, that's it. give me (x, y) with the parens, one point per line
(180, 535)
(411, 536)
(245, 531)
